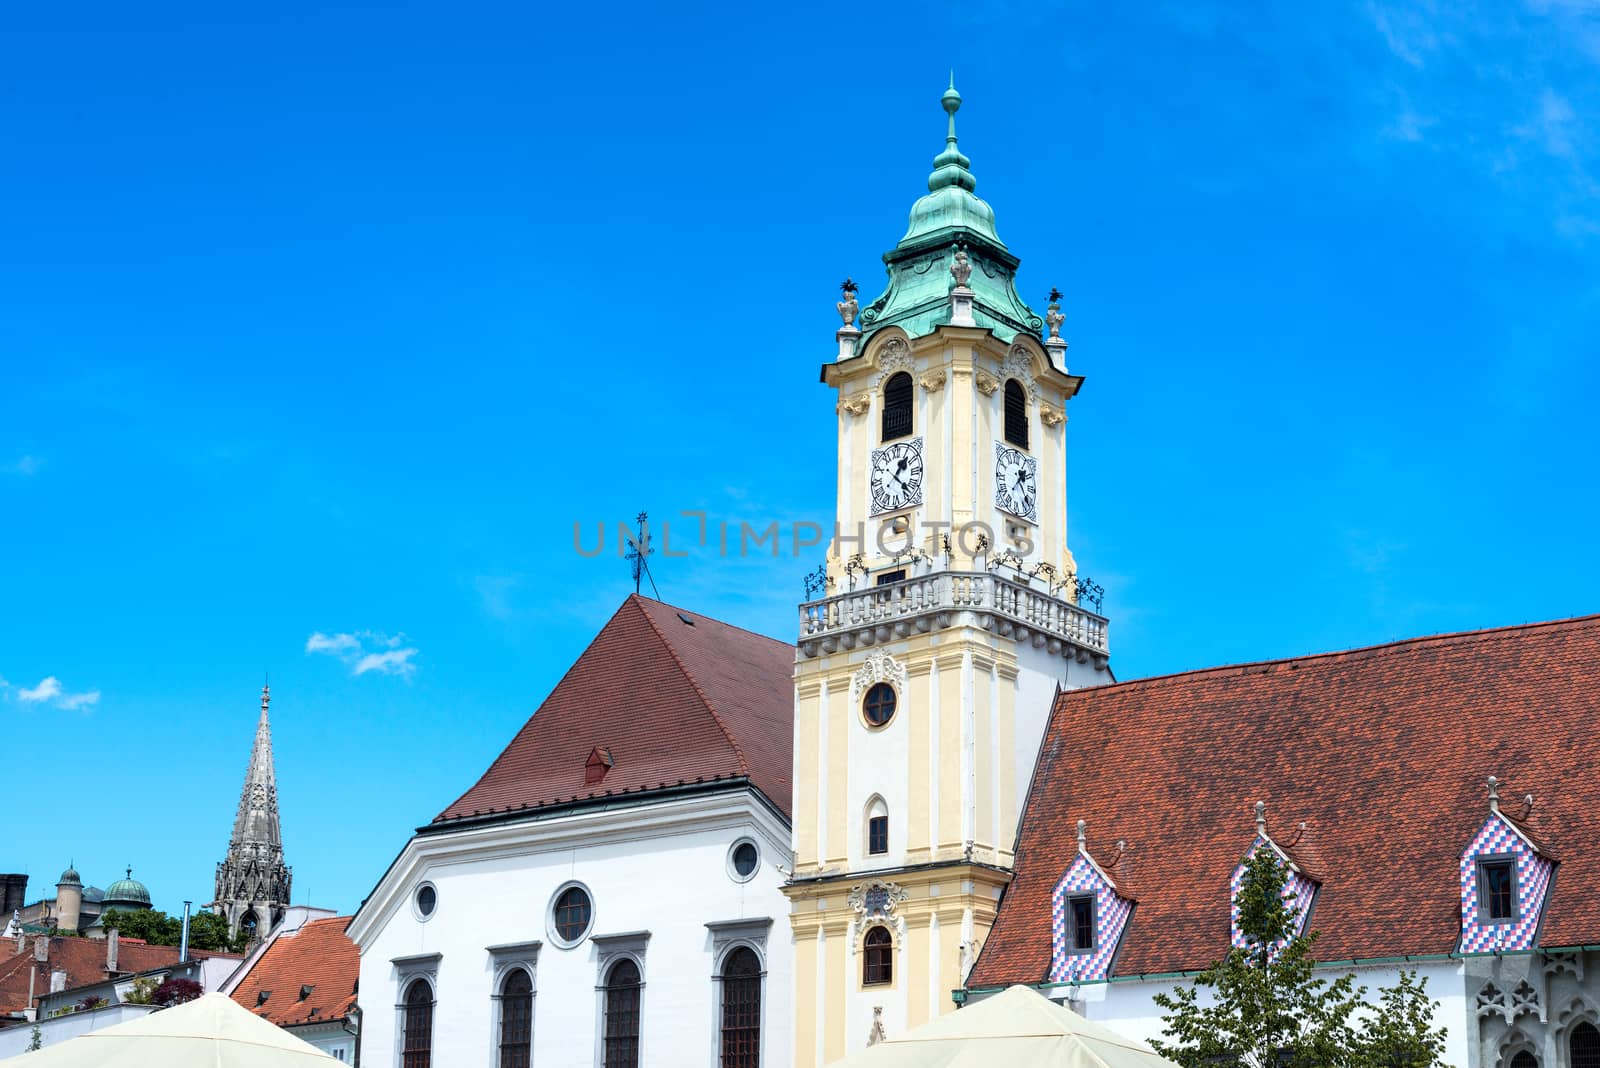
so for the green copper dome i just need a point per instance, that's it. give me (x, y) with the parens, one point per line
(69, 877)
(128, 891)
(950, 218)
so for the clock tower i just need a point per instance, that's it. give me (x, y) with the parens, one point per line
(925, 674)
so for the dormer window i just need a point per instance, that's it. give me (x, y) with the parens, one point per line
(1497, 890)
(897, 407)
(1080, 916)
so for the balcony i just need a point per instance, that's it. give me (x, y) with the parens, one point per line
(951, 598)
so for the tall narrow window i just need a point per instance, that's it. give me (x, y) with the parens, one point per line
(877, 827)
(516, 1020)
(897, 407)
(1497, 897)
(416, 1050)
(1080, 914)
(741, 1009)
(1583, 1047)
(1016, 414)
(877, 958)
(622, 1015)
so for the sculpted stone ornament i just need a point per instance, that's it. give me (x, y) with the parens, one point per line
(1052, 315)
(986, 383)
(877, 1034)
(858, 404)
(876, 900)
(1051, 416)
(961, 269)
(933, 381)
(848, 307)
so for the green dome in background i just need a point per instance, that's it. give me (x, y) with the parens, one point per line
(69, 877)
(128, 891)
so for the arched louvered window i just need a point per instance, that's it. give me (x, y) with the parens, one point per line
(416, 1050)
(897, 407)
(516, 1020)
(1524, 1059)
(1583, 1047)
(622, 1015)
(877, 958)
(741, 1009)
(1016, 414)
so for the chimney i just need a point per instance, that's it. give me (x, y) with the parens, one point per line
(58, 980)
(111, 951)
(41, 948)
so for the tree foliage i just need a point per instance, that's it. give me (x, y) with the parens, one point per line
(1268, 1009)
(176, 992)
(207, 930)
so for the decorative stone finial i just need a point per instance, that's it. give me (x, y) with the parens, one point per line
(1083, 836)
(1053, 315)
(1494, 794)
(961, 269)
(1261, 818)
(848, 307)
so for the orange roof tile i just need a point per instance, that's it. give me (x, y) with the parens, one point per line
(84, 961)
(1383, 752)
(318, 956)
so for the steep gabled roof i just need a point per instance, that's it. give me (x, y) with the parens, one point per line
(672, 697)
(319, 956)
(1383, 752)
(84, 961)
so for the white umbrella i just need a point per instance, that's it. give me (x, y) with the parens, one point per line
(1018, 1026)
(212, 1031)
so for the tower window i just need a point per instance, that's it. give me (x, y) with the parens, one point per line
(1080, 915)
(878, 705)
(897, 407)
(1497, 890)
(1583, 1046)
(877, 958)
(878, 834)
(1524, 1059)
(1016, 414)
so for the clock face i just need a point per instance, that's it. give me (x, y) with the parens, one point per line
(896, 479)
(1016, 482)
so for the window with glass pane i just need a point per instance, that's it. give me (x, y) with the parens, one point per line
(1082, 910)
(877, 960)
(1496, 889)
(897, 407)
(516, 1020)
(1583, 1047)
(416, 1049)
(878, 834)
(622, 1016)
(741, 1009)
(572, 913)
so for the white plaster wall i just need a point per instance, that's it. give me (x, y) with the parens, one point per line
(669, 881)
(879, 763)
(1129, 1006)
(53, 1032)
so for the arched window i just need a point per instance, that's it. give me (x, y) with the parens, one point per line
(741, 1009)
(877, 827)
(248, 924)
(897, 406)
(1583, 1047)
(622, 1015)
(1524, 1059)
(877, 958)
(1016, 414)
(416, 1049)
(516, 1020)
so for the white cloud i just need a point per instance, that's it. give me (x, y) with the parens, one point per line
(50, 691)
(365, 651)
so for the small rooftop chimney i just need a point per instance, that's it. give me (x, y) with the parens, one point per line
(58, 980)
(41, 948)
(112, 939)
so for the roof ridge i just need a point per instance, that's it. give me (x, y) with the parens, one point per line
(1423, 640)
(744, 764)
(713, 619)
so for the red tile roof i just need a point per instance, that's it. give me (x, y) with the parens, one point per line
(83, 959)
(1383, 752)
(672, 696)
(318, 955)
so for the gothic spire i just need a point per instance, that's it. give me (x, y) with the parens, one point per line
(253, 881)
(257, 820)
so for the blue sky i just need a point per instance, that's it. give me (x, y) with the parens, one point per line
(323, 320)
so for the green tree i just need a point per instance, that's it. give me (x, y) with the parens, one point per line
(206, 930)
(1267, 1008)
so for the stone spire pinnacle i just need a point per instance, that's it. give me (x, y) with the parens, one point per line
(253, 882)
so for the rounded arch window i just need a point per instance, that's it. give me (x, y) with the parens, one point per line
(877, 707)
(1583, 1046)
(516, 1017)
(741, 1009)
(425, 901)
(571, 915)
(744, 860)
(877, 957)
(417, 1035)
(1016, 414)
(897, 396)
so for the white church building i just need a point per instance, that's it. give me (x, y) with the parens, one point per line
(609, 892)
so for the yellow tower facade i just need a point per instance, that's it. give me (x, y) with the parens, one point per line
(924, 676)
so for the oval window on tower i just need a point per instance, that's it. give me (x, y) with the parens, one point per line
(878, 706)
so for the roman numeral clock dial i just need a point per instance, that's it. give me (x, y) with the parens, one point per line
(1016, 482)
(896, 479)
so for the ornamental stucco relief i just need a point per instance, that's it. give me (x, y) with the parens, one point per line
(879, 667)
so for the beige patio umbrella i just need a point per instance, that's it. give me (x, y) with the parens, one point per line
(212, 1031)
(1016, 1027)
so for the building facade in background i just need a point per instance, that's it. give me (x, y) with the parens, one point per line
(951, 617)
